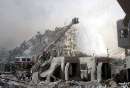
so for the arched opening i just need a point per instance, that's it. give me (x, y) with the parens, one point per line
(128, 70)
(106, 71)
(84, 72)
(72, 71)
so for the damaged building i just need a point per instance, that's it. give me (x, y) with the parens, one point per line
(72, 64)
(55, 57)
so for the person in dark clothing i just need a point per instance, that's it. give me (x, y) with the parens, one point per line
(45, 56)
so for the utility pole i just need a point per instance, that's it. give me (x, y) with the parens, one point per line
(108, 52)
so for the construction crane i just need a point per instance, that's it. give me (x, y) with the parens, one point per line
(75, 20)
(65, 29)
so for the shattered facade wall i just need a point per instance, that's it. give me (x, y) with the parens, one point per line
(70, 47)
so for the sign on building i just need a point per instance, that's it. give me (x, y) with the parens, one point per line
(123, 35)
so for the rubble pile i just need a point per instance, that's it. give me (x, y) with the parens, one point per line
(69, 84)
(4, 83)
(80, 84)
(10, 81)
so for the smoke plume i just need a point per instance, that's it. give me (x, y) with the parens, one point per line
(21, 19)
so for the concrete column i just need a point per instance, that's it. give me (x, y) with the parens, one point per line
(63, 68)
(67, 71)
(99, 72)
(93, 70)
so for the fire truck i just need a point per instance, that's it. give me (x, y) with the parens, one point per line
(22, 67)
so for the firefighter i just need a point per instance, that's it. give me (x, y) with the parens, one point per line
(44, 57)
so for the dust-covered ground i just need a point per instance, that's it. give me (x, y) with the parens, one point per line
(62, 84)
(9, 81)
(79, 84)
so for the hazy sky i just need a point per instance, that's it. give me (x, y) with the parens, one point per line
(20, 19)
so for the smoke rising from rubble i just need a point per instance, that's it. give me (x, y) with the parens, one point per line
(89, 41)
(20, 19)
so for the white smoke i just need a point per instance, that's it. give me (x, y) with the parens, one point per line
(97, 31)
(19, 19)
(89, 41)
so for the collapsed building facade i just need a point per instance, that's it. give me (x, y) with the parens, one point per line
(71, 64)
(93, 68)
(83, 67)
